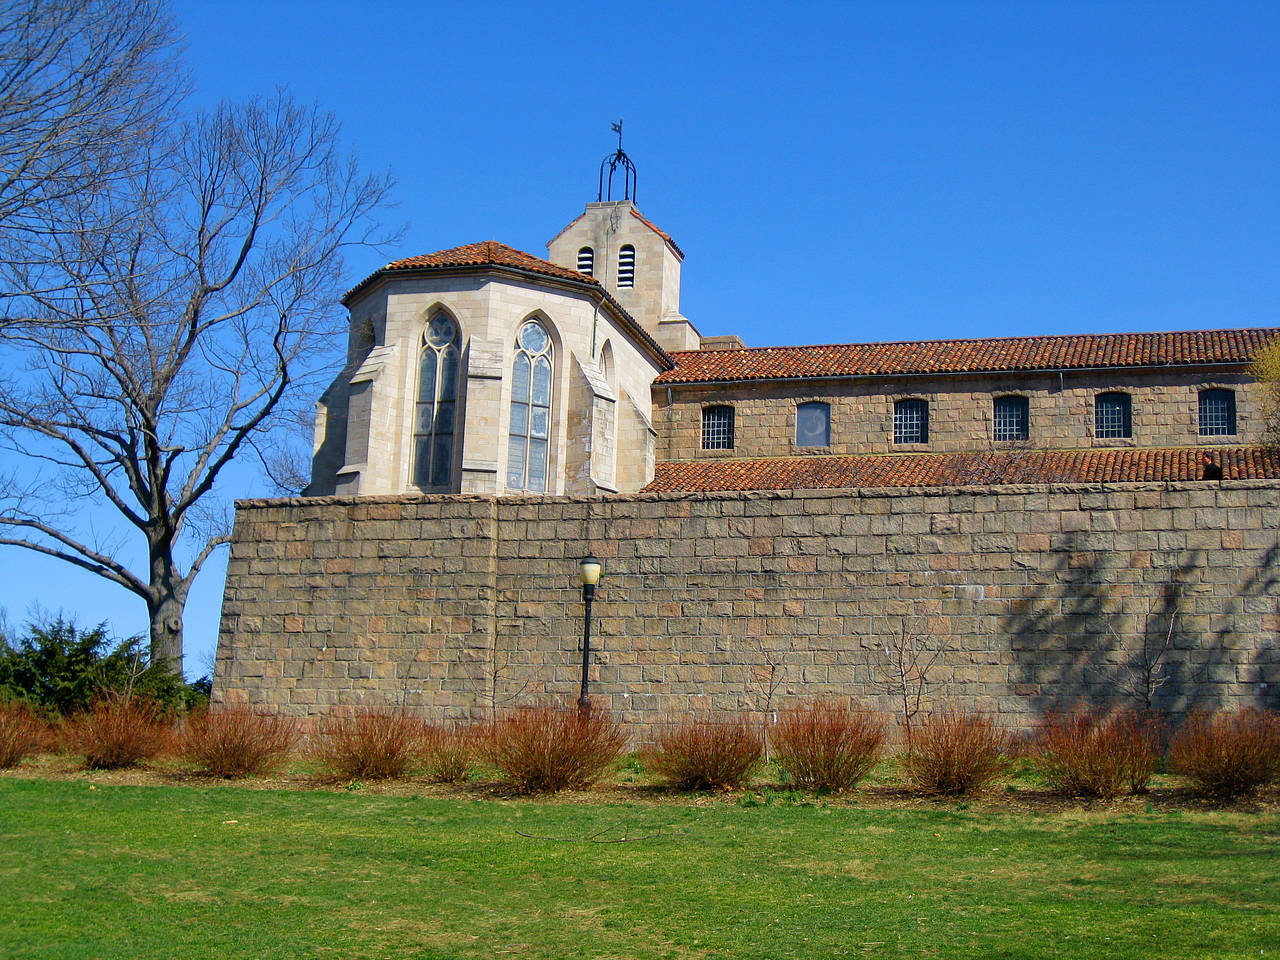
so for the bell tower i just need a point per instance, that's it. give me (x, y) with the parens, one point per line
(638, 263)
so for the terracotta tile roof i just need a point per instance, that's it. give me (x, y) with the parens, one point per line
(656, 229)
(1010, 354)
(490, 253)
(962, 469)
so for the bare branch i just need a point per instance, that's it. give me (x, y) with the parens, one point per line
(162, 315)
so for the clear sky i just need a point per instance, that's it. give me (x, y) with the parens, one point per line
(834, 172)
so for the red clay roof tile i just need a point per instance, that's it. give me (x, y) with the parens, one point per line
(962, 469)
(1074, 352)
(490, 253)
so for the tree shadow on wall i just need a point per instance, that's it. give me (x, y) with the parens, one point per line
(1088, 635)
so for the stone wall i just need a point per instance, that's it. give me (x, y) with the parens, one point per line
(1041, 595)
(1061, 412)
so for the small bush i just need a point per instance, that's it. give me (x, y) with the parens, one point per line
(954, 753)
(61, 668)
(827, 745)
(117, 731)
(706, 754)
(236, 741)
(379, 743)
(546, 748)
(1228, 755)
(448, 752)
(22, 734)
(1083, 753)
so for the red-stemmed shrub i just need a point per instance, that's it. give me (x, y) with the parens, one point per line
(448, 752)
(1228, 755)
(376, 743)
(827, 745)
(1084, 753)
(117, 731)
(22, 734)
(236, 741)
(542, 749)
(954, 753)
(705, 754)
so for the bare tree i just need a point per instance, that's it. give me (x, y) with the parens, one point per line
(147, 358)
(906, 673)
(1148, 671)
(84, 85)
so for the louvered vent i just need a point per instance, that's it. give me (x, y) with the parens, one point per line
(587, 261)
(627, 266)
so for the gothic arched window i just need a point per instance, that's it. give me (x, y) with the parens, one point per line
(529, 449)
(433, 422)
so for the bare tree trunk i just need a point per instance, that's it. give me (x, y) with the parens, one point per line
(165, 607)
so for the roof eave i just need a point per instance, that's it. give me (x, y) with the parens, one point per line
(592, 287)
(926, 374)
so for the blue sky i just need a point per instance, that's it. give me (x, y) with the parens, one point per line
(833, 172)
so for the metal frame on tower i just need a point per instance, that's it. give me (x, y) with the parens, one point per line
(613, 162)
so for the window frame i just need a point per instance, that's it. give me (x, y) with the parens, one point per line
(1230, 423)
(527, 407)
(425, 474)
(727, 426)
(627, 266)
(814, 405)
(1001, 406)
(901, 409)
(589, 259)
(1109, 406)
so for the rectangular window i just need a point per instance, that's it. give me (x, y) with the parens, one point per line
(911, 421)
(1010, 419)
(1217, 413)
(1113, 416)
(717, 428)
(813, 425)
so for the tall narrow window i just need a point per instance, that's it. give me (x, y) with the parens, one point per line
(717, 428)
(1217, 413)
(1009, 418)
(911, 421)
(433, 423)
(813, 424)
(586, 261)
(627, 266)
(1113, 416)
(529, 448)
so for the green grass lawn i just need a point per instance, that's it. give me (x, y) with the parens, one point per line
(92, 870)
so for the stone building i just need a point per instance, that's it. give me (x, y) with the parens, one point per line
(769, 517)
(486, 370)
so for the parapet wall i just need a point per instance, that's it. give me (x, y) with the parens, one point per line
(1040, 596)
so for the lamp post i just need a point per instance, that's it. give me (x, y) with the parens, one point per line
(590, 569)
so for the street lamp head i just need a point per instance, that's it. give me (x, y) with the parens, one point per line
(591, 569)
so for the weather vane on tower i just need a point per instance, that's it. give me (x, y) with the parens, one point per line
(613, 162)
